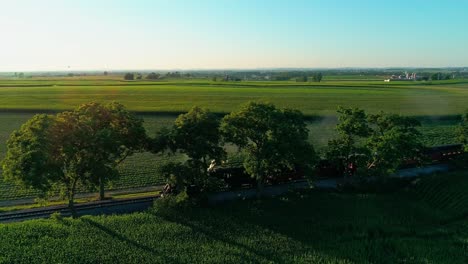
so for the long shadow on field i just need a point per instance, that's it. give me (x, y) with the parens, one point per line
(211, 226)
(128, 241)
(347, 227)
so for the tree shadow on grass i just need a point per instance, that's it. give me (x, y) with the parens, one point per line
(128, 241)
(206, 227)
(322, 223)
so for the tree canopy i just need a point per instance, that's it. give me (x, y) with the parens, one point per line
(153, 76)
(31, 156)
(109, 133)
(346, 149)
(317, 77)
(197, 135)
(374, 145)
(273, 139)
(394, 139)
(129, 77)
(73, 148)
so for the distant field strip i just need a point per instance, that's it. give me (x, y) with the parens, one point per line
(410, 99)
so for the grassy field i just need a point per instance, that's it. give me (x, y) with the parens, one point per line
(410, 98)
(420, 225)
(435, 103)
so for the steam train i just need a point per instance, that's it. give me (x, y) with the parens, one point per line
(235, 176)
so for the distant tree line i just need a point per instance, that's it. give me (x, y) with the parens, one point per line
(19, 75)
(298, 76)
(440, 76)
(155, 76)
(295, 75)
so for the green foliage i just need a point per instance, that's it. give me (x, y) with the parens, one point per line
(440, 76)
(195, 134)
(57, 217)
(462, 131)
(109, 134)
(273, 139)
(375, 145)
(395, 138)
(173, 74)
(129, 77)
(302, 79)
(352, 124)
(170, 204)
(346, 149)
(142, 169)
(317, 77)
(70, 149)
(153, 76)
(30, 159)
(178, 175)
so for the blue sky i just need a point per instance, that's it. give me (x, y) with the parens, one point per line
(205, 34)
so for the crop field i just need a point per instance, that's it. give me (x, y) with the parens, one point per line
(307, 227)
(445, 192)
(436, 104)
(410, 98)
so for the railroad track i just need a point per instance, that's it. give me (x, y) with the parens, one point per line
(139, 204)
(92, 208)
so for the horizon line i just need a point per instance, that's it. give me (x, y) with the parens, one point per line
(236, 69)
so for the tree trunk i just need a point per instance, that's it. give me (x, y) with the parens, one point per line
(260, 186)
(71, 202)
(101, 188)
(71, 206)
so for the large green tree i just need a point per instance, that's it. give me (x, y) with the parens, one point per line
(347, 148)
(73, 148)
(129, 77)
(195, 134)
(317, 77)
(373, 145)
(273, 139)
(394, 139)
(109, 133)
(31, 158)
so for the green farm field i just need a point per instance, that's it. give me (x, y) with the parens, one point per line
(435, 104)
(313, 99)
(423, 224)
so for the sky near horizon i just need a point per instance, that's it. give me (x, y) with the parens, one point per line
(208, 34)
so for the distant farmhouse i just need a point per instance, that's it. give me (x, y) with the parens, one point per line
(406, 77)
